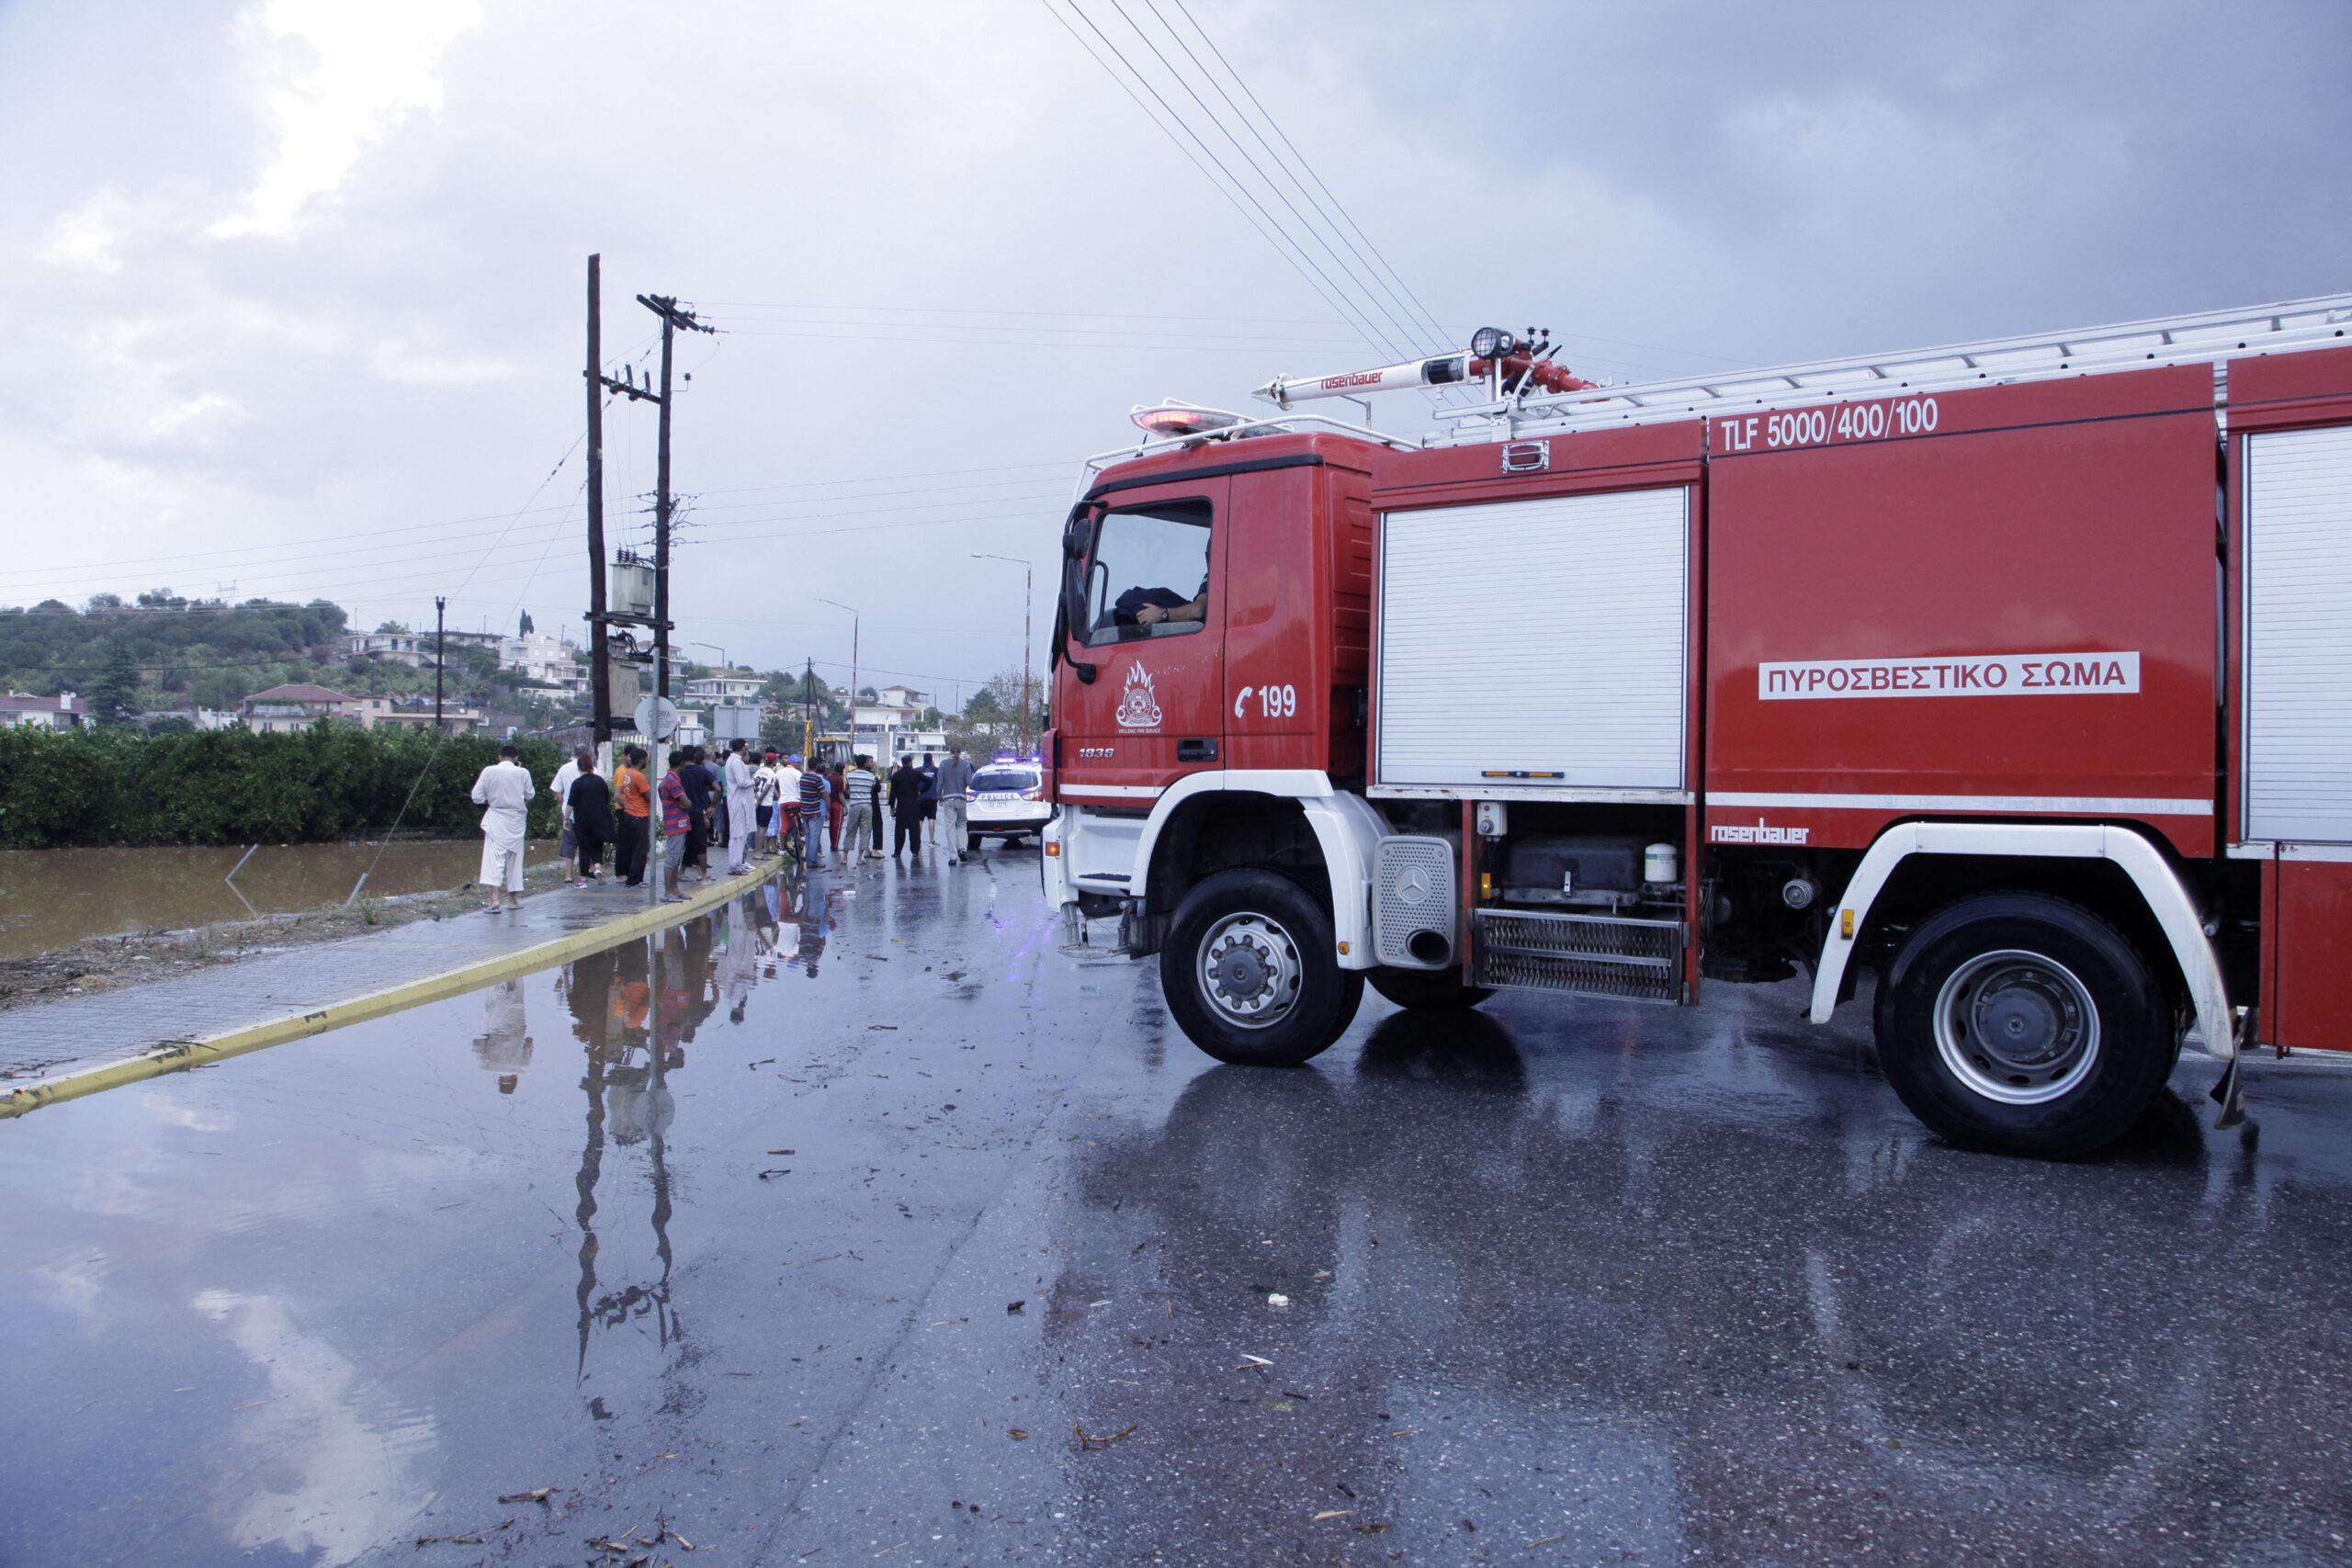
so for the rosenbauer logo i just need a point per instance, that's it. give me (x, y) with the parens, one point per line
(1992, 675)
(1138, 709)
(1761, 833)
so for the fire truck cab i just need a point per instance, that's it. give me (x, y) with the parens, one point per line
(2018, 675)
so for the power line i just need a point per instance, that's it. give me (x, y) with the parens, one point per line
(1427, 318)
(106, 571)
(1227, 186)
(1370, 296)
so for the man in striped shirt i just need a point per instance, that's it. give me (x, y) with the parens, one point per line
(858, 827)
(812, 789)
(678, 818)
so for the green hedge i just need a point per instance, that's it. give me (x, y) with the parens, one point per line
(232, 787)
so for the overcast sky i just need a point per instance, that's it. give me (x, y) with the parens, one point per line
(296, 285)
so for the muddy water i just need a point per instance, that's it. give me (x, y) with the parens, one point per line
(49, 898)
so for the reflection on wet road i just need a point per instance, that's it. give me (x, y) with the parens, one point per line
(769, 1235)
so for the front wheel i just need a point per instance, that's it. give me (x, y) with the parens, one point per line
(1436, 990)
(2023, 1025)
(1251, 972)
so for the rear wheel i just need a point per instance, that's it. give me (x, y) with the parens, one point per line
(1440, 990)
(2023, 1025)
(971, 843)
(1250, 972)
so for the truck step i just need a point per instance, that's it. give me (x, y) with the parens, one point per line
(1591, 954)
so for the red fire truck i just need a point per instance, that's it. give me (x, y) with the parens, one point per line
(2017, 673)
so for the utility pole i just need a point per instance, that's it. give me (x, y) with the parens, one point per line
(440, 607)
(599, 675)
(809, 712)
(853, 619)
(1028, 599)
(666, 307)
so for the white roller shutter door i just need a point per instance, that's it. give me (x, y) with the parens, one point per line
(2297, 677)
(1535, 638)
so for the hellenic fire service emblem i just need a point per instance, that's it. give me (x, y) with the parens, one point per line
(1138, 709)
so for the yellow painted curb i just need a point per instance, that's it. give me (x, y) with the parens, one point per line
(182, 1054)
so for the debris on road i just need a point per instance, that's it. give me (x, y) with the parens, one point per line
(1087, 1443)
(1016, 1434)
(536, 1494)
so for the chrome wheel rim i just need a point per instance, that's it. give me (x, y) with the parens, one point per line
(1249, 971)
(2017, 1027)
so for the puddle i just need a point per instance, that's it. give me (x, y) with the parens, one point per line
(304, 1304)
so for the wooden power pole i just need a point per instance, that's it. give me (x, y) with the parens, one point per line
(599, 673)
(666, 307)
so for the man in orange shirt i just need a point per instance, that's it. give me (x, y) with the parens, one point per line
(634, 794)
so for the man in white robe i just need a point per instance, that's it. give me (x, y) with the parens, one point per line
(743, 812)
(504, 787)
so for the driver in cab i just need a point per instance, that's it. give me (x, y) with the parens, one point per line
(1151, 607)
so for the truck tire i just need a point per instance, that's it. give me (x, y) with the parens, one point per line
(2020, 1023)
(1251, 974)
(1438, 990)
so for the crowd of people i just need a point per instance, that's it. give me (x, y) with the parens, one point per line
(754, 807)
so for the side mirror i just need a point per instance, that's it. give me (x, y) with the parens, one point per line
(1069, 615)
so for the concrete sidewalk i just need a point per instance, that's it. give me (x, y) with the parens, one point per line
(63, 1049)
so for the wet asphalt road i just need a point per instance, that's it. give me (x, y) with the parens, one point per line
(771, 1241)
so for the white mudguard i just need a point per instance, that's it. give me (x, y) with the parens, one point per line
(1114, 854)
(2176, 912)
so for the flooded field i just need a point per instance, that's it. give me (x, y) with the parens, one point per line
(49, 898)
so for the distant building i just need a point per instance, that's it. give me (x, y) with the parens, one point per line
(416, 713)
(389, 648)
(22, 710)
(724, 689)
(195, 718)
(888, 729)
(538, 657)
(286, 710)
(415, 649)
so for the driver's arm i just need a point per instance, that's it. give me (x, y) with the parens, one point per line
(1196, 609)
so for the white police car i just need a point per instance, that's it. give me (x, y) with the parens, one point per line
(1008, 802)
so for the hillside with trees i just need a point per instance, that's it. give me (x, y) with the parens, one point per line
(163, 649)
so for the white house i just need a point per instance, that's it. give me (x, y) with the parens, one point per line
(288, 710)
(23, 710)
(728, 688)
(539, 657)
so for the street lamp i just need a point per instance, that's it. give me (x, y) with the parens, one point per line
(724, 663)
(853, 620)
(1028, 594)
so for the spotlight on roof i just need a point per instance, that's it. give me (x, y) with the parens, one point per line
(1491, 343)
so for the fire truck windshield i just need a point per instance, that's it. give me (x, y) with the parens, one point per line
(1149, 576)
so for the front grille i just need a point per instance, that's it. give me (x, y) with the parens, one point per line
(1592, 955)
